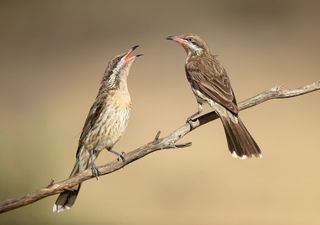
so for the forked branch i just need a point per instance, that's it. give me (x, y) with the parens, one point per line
(167, 142)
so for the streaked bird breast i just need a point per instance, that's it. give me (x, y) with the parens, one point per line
(111, 125)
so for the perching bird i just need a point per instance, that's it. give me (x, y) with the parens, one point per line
(210, 84)
(105, 123)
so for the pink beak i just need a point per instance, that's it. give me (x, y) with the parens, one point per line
(177, 39)
(129, 55)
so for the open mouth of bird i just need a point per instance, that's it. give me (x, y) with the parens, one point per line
(130, 55)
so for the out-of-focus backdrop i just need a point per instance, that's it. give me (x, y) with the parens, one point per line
(52, 57)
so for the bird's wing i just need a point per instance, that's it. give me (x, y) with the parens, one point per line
(93, 115)
(211, 79)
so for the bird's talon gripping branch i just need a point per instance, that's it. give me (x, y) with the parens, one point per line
(95, 171)
(191, 122)
(121, 157)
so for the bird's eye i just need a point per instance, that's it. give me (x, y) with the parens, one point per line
(191, 41)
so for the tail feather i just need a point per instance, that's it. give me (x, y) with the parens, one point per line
(240, 142)
(67, 198)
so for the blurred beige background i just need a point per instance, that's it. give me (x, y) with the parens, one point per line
(52, 57)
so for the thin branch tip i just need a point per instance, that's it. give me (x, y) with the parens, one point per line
(51, 183)
(157, 135)
(184, 145)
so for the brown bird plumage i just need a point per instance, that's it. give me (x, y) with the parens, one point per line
(106, 122)
(210, 84)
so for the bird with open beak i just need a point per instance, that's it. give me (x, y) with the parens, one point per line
(105, 124)
(210, 84)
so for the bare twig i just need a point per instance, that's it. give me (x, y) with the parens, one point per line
(157, 136)
(167, 142)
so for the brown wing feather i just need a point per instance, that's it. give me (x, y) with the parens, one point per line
(210, 78)
(93, 115)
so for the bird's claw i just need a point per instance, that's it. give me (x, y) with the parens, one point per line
(95, 171)
(121, 157)
(190, 120)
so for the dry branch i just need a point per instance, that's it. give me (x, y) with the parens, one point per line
(158, 143)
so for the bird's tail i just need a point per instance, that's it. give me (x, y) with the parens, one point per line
(240, 142)
(67, 198)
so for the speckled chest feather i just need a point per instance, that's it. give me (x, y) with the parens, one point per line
(111, 123)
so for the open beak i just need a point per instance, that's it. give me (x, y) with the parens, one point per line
(129, 55)
(177, 39)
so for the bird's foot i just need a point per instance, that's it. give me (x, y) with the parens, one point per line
(95, 171)
(191, 121)
(121, 157)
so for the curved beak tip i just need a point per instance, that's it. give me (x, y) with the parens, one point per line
(170, 38)
(129, 55)
(134, 47)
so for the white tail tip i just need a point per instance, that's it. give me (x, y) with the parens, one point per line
(234, 155)
(59, 208)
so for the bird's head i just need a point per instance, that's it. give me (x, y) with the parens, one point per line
(119, 67)
(192, 44)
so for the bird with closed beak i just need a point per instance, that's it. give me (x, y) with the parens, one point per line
(105, 124)
(210, 84)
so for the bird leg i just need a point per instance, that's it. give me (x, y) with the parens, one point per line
(120, 156)
(192, 118)
(94, 169)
